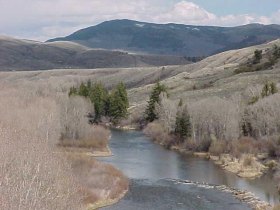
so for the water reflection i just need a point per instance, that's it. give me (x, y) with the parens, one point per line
(139, 158)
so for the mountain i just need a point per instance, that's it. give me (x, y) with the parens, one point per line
(16, 54)
(171, 39)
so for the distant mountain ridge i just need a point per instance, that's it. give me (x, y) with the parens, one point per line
(171, 39)
(17, 54)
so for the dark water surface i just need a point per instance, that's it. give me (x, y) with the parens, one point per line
(148, 164)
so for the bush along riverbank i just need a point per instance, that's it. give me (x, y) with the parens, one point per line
(91, 110)
(241, 136)
(217, 128)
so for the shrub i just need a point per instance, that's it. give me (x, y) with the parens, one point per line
(263, 117)
(99, 179)
(75, 129)
(97, 138)
(158, 134)
(273, 147)
(244, 145)
(204, 146)
(247, 160)
(190, 145)
(218, 147)
(36, 175)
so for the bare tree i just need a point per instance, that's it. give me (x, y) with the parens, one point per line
(166, 110)
(214, 118)
(264, 117)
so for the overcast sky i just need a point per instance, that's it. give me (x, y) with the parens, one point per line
(44, 19)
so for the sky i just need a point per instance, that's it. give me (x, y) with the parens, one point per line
(44, 19)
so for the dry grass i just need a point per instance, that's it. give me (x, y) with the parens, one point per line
(102, 181)
(247, 160)
(32, 175)
(277, 207)
(97, 138)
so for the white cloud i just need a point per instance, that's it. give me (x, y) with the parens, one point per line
(43, 19)
(186, 12)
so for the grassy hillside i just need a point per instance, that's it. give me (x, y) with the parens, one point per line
(213, 76)
(30, 55)
(172, 39)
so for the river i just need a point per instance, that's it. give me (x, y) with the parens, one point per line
(150, 168)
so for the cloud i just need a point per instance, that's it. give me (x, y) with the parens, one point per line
(186, 12)
(44, 19)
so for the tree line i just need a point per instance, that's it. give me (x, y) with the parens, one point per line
(112, 104)
(214, 121)
(157, 109)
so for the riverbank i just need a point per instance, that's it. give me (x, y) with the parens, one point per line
(101, 184)
(247, 166)
(242, 195)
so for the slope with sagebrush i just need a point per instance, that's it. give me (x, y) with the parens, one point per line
(213, 76)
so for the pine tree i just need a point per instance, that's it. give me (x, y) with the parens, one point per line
(154, 98)
(257, 56)
(118, 103)
(98, 96)
(183, 124)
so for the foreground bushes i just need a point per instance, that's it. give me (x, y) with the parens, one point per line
(33, 175)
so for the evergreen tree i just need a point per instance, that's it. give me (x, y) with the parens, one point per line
(257, 56)
(118, 103)
(183, 124)
(154, 98)
(98, 96)
(114, 105)
(246, 126)
(276, 52)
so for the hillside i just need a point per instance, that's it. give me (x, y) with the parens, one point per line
(171, 39)
(18, 54)
(213, 76)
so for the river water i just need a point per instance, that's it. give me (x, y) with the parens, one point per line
(150, 168)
